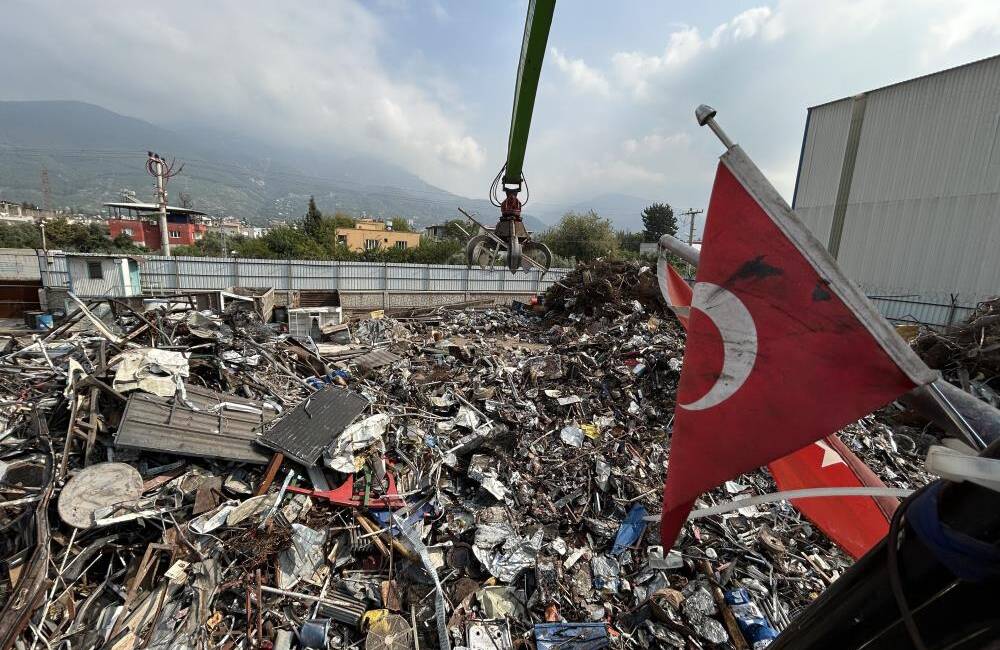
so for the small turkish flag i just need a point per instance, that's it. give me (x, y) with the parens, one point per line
(675, 291)
(782, 348)
(854, 523)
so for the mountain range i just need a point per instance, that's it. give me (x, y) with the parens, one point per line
(91, 154)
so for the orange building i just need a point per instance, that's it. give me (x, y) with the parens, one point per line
(369, 234)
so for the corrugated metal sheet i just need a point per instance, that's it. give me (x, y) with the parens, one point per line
(311, 426)
(206, 273)
(375, 359)
(923, 214)
(155, 424)
(18, 264)
(822, 159)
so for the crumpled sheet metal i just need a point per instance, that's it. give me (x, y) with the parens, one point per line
(155, 371)
(303, 558)
(504, 553)
(340, 456)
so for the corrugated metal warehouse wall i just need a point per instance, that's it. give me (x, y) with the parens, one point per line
(921, 211)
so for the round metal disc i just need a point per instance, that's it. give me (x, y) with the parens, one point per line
(96, 487)
(485, 253)
(538, 252)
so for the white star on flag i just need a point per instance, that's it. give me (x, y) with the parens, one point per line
(830, 457)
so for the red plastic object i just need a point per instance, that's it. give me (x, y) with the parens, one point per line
(344, 495)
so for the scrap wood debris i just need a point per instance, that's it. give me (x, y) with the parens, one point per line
(200, 480)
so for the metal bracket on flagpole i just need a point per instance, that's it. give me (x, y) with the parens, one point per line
(706, 115)
(956, 417)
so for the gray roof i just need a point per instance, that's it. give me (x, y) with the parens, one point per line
(151, 207)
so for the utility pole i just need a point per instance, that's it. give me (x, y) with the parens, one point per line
(690, 214)
(158, 169)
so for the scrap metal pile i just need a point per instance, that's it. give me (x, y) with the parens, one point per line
(969, 354)
(471, 477)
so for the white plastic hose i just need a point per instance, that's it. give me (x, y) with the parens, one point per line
(788, 495)
(958, 466)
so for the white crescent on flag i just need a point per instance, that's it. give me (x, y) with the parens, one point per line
(739, 341)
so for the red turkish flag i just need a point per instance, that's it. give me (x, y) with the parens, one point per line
(782, 348)
(675, 291)
(855, 523)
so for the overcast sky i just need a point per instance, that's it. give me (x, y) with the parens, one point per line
(428, 84)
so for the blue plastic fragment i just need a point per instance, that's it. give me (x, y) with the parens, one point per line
(756, 629)
(631, 529)
(571, 636)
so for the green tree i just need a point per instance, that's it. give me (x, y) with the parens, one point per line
(286, 242)
(434, 252)
(399, 224)
(20, 235)
(583, 236)
(313, 220)
(460, 229)
(629, 241)
(658, 220)
(343, 220)
(254, 248)
(125, 244)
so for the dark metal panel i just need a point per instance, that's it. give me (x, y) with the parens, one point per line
(310, 427)
(376, 359)
(155, 424)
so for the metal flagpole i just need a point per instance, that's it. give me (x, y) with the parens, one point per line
(956, 417)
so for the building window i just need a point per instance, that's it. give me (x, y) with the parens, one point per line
(401, 245)
(127, 231)
(199, 235)
(94, 271)
(175, 234)
(342, 240)
(371, 244)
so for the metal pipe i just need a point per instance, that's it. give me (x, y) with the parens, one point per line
(956, 417)
(982, 417)
(671, 244)
(706, 117)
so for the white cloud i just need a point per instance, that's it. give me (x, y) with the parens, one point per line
(655, 143)
(306, 74)
(462, 151)
(637, 70)
(965, 21)
(582, 77)
(759, 21)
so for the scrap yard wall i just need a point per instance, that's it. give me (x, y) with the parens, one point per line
(902, 184)
(360, 284)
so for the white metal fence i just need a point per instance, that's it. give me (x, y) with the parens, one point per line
(169, 274)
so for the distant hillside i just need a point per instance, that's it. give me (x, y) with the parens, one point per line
(91, 153)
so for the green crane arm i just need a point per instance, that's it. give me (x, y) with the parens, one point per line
(536, 35)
